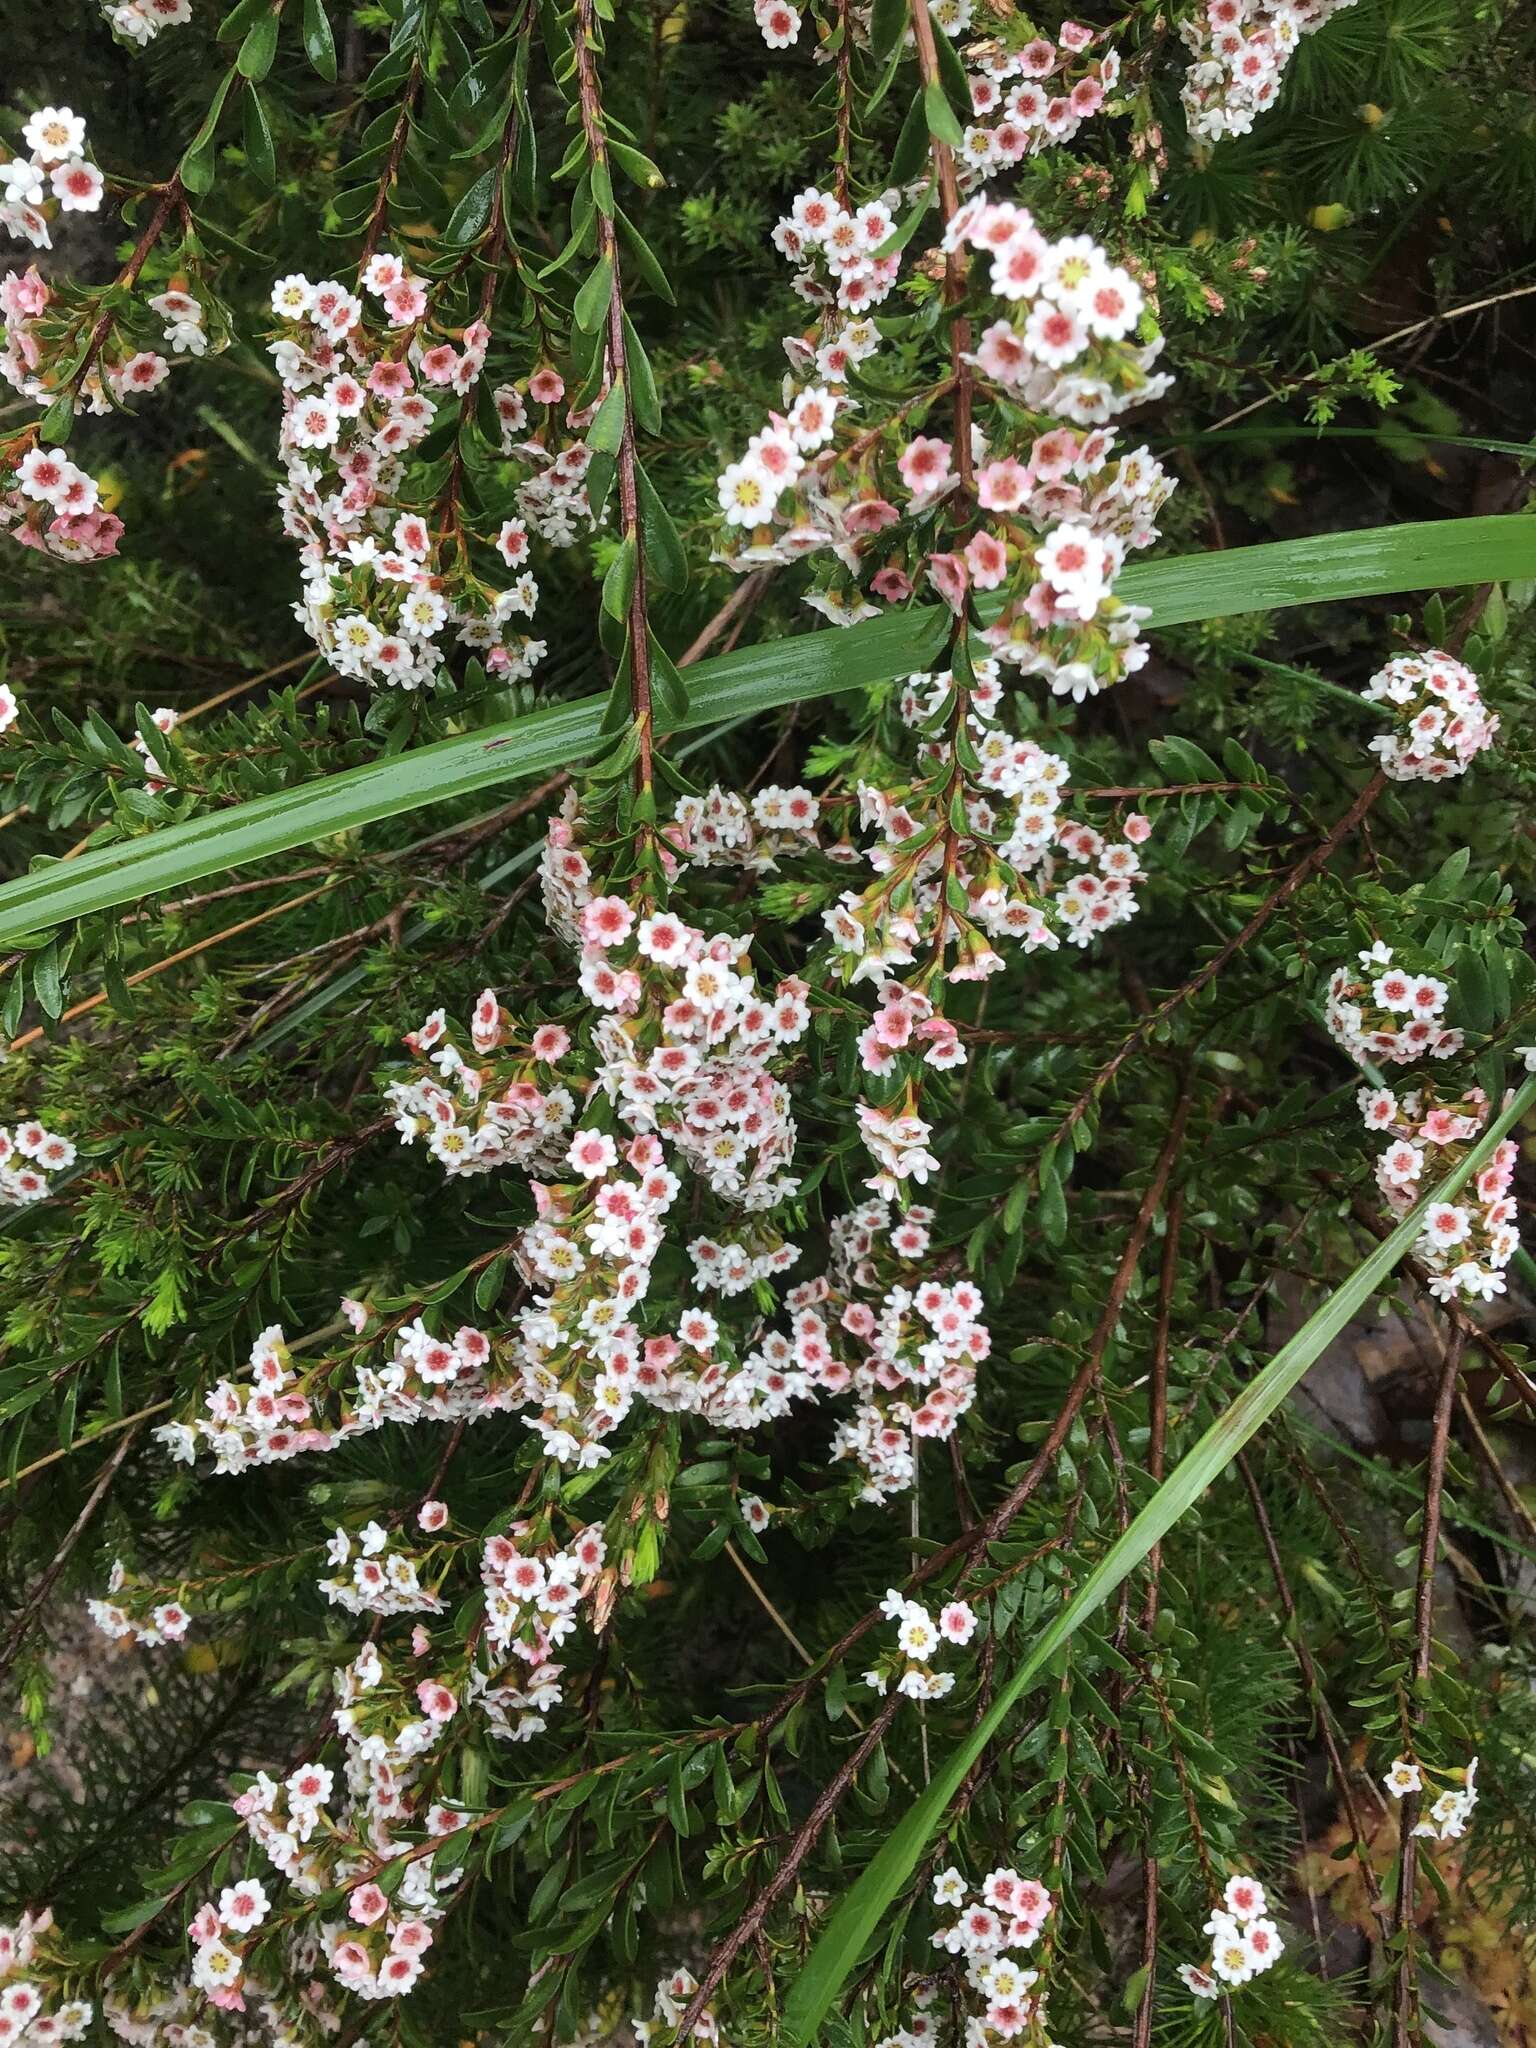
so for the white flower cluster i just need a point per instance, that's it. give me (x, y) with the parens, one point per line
(723, 829)
(126, 1615)
(1385, 1010)
(672, 1996)
(29, 2017)
(836, 253)
(138, 22)
(377, 1951)
(907, 1345)
(216, 1962)
(919, 1638)
(1034, 98)
(1244, 1941)
(382, 582)
(1008, 1914)
(533, 1595)
(497, 1107)
(1447, 1816)
(1440, 723)
(28, 1154)
(55, 174)
(1466, 1243)
(263, 1421)
(1027, 873)
(1239, 50)
(382, 1579)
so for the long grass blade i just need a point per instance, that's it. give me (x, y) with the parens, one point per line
(861, 1912)
(1438, 554)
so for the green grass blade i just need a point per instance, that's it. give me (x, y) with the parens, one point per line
(1373, 562)
(861, 1912)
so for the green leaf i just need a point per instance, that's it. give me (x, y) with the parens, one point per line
(319, 43)
(469, 217)
(257, 137)
(645, 261)
(866, 1905)
(666, 560)
(259, 47)
(197, 163)
(744, 684)
(941, 115)
(594, 298)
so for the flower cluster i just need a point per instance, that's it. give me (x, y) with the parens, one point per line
(54, 177)
(1019, 870)
(1035, 98)
(28, 1154)
(376, 1577)
(723, 829)
(672, 1996)
(1390, 1008)
(93, 349)
(907, 1345)
(35, 2006)
(1440, 723)
(387, 572)
(1466, 1243)
(1063, 514)
(264, 1420)
(1008, 1914)
(919, 1638)
(1238, 53)
(1448, 1814)
(499, 1106)
(1244, 1941)
(216, 1960)
(533, 1594)
(836, 252)
(134, 1611)
(138, 22)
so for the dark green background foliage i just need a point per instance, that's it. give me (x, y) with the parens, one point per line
(236, 1171)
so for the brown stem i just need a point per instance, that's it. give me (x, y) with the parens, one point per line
(33, 1604)
(954, 262)
(1406, 2030)
(808, 1834)
(590, 97)
(128, 276)
(1157, 1458)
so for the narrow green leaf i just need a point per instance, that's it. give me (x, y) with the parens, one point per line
(259, 48)
(257, 137)
(1336, 566)
(592, 301)
(469, 217)
(319, 43)
(941, 116)
(865, 1906)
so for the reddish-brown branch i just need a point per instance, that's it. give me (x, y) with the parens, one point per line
(32, 1606)
(954, 261)
(590, 99)
(806, 1837)
(1405, 2019)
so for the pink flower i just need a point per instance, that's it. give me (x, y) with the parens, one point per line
(546, 387)
(891, 583)
(924, 465)
(949, 576)
(367, 1904)
(987, 558)
(1002, 486)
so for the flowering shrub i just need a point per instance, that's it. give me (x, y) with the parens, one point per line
(617, 1370)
